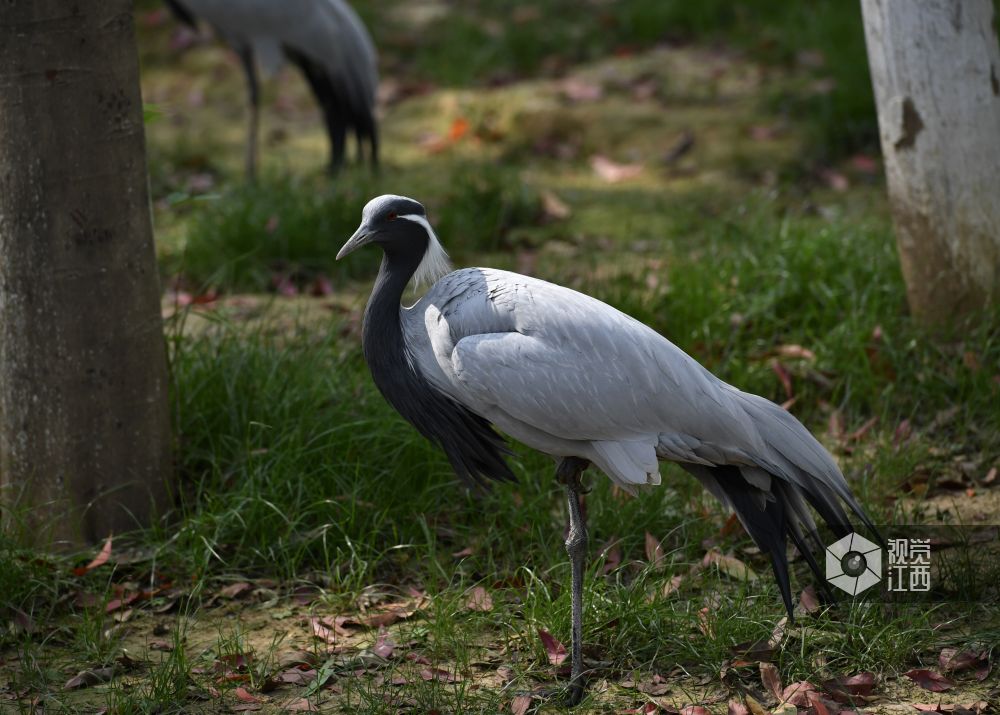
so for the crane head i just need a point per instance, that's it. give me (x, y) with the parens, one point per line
(400, 226)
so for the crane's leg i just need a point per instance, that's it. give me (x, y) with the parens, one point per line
(568, 473)
(246, 57)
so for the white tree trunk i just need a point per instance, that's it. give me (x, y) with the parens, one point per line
(935, 67)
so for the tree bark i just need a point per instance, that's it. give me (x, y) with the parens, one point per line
(84, 420)
(935, 67)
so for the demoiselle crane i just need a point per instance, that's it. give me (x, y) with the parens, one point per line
(585, 383)
(325, 39)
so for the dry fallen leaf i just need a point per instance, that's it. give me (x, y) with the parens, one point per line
(612, 171)
(555, 650)
(845, 689)
(737, 708)
(929, 680)
(383, 644)
(300, 705)
(439, 674)
(86, 678)
(243, 694)
(654, 552)
(236, 590)
(809, 600)
(553, 207)
(520, 705)
(479, 600)
(771, 679)
(797, 693)
(729, 565)
(99, 560)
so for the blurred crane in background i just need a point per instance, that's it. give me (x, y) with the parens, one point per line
(325, 39)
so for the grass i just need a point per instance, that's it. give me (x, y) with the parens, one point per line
(296, 476)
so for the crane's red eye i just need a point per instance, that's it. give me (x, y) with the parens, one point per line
(392, 216)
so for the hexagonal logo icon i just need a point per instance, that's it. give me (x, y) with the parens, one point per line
(853, 563)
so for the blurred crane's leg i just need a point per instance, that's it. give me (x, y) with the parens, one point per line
(253, 87)
(568, 473)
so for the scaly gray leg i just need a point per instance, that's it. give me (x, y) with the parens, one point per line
(568, 473)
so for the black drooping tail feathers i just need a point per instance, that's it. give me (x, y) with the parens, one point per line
(344, 108)
(771, 499)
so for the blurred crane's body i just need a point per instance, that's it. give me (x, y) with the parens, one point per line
(577, 379)
(325, 39)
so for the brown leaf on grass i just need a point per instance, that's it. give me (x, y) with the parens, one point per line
(672, 585)
(21, 622)
(844, 689)
(102, 558)
(809, 600)
(235, 590)
(520, 705)
(954, 660)
(297, 658)
(467, 551)
(795, 352)
(300, 705)
(418, 658)
(820, 705)
(654, 551)
(328, 631)
(784, 376)
(162, 646)
(296, 676)
(704, 623)
(554, 208)
(86, 678)
(439, 674)
(383, 644)
(929, 680)
(612, 171)
(990, 476)
(729, 565)
(693, 710)
(655, 686)
(975, 708)
(735, 707)
(457, 130)
(243, 694)
(555, 650)
(797, 693)
(771, 679)
(755, 707)
(576, 89)
(479, 600)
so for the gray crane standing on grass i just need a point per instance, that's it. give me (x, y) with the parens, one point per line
(324, 38)
(579, 380)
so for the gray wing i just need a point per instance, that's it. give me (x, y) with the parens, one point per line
(537, 356)
(570, 375)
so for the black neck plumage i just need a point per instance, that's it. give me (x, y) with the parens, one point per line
(475, 450)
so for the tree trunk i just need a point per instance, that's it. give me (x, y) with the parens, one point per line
(84, 419)
(935, 67)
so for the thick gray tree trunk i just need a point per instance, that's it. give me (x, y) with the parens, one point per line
(935, 67)
(84, 419)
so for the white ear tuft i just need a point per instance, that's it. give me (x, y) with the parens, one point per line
(435, 263)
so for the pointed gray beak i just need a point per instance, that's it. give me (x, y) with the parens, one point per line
(362, 236)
